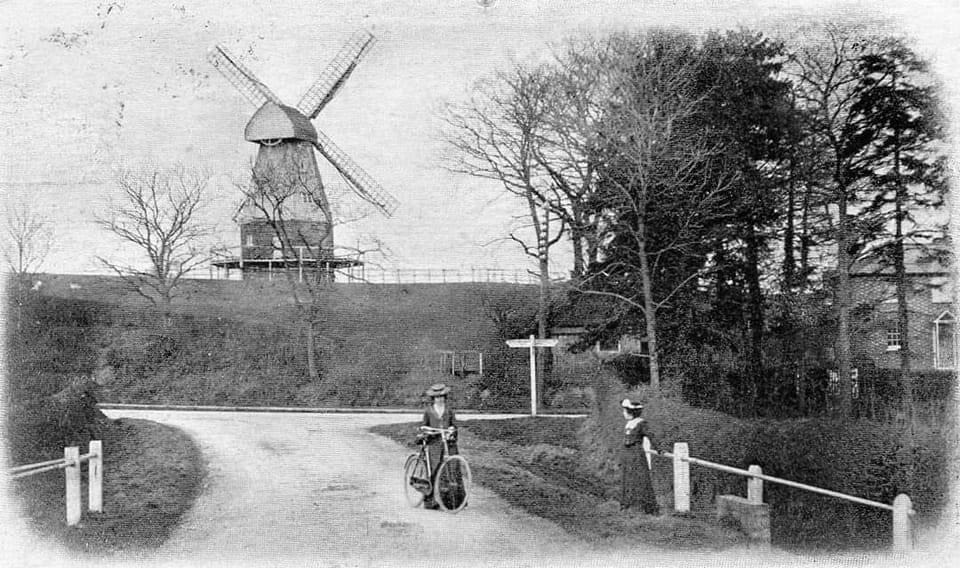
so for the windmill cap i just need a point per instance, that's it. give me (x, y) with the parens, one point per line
(273, 121)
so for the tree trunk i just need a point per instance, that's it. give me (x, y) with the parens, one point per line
(649, 307)
(903, 317)
(789, 262)
(576, 240)
(844, 239)
(755, 298)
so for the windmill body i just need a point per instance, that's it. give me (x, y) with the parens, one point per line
(286, 223)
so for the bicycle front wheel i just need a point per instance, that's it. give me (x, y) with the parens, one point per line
(416, 480)
(451, 488)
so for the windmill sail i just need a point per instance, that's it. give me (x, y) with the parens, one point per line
(360, 181)
(335, 75)
(241, 77)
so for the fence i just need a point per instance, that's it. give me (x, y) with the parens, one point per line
(901, 508)
(71, 463)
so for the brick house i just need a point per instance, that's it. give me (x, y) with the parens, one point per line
(876, 337)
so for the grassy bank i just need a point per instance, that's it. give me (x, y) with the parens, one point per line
(152, 475)
(535, 464)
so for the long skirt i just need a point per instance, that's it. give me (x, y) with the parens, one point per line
(637, 491)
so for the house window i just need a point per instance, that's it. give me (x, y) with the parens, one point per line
(893, 338)
(944, 342)
(249, 239)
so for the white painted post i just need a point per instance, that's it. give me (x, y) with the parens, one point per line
(533, 376)
(72, 475)
(681, 478)
(95, 476)
(755, 486)
(901, 523)
(532, 343)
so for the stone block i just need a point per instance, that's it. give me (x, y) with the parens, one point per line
(753, 518)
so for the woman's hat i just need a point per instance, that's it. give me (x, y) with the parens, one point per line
(630, 405)
(438, 389)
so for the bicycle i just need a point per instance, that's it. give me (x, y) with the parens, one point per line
(452, 487)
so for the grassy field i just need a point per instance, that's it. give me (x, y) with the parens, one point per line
(242, 342)
(154, 473)
(535, 465)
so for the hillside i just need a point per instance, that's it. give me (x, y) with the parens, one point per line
(239, 342)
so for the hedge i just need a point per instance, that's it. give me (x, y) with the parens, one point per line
(863, 458)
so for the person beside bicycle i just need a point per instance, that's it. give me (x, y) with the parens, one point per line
(438, 415)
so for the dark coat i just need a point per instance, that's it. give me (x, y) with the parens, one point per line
(435, 445)
(637, 490)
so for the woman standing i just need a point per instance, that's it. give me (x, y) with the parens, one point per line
(438, 415)
(637, 491)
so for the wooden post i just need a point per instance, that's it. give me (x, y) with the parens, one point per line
(532, 343)
(533, 377)
(72, 475)
(95, 476)
(901, 523)
(681, 478)
(755, 486)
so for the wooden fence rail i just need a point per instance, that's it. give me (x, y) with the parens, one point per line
(71, 463)
(902, 508)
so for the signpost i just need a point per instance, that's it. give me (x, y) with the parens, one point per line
(532, 343)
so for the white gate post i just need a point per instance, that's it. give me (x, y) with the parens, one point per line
(755, 486)
(901, 523)
(95, 476)
(681, 478)
(72, 474)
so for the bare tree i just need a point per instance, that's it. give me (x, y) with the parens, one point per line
(495, 136)
(292, 204)
(158, 212)
(568, 146)
(829, 85)
(657, 168)
(29, 237)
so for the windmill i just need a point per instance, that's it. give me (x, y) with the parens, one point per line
(286, 165)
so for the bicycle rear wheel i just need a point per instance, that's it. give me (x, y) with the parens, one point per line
(416, 480)
(452, 484)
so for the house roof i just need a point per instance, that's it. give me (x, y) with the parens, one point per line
(926, 260)
(585, 310)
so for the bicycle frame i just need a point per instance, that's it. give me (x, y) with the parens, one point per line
(435, 468)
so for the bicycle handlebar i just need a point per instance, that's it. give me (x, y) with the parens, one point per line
(444, 432)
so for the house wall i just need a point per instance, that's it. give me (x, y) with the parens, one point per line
(875, 312)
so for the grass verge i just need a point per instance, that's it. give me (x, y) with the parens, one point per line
(534, 464)
(145, 492)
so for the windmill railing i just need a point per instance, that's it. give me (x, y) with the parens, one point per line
(232, 268)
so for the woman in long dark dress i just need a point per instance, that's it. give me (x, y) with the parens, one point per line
(637, 490)
(438, 415)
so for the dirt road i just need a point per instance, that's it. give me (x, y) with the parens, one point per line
(320, 490)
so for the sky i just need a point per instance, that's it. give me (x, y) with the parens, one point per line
(90, 86)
